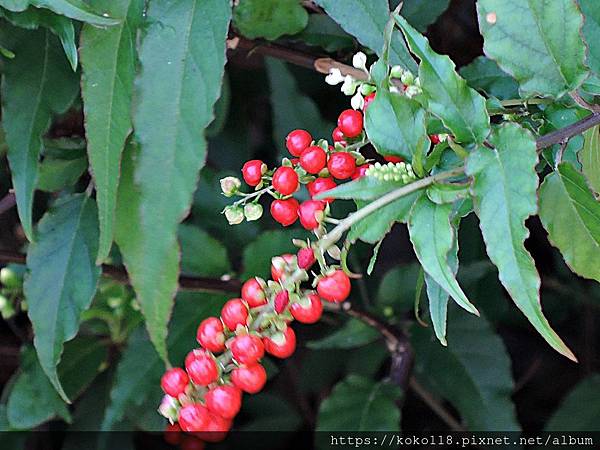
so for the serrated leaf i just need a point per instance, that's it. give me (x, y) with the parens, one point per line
(589, 157)
(180, 80)
(36, 84)
(580, 410)
(433, 237)
(353, 334)
(366, 20)
(542, 50)
(62, 277)
(364, 188)
(484, 74)
(360, 404)
(322, 31)
(201, 254)
(473, 372)
(504, 191)
(591, 33)
(269, 19)
(108, 59)
(395, 124)
(76, 9)
(571, 215)
(460, 108)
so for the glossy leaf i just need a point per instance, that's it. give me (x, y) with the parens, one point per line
(76, 9)
(448, 96)
(502, 209)
(108, 59)
(269, 19)
(571, 215)
(589, 157)
(580, 410)
(542, 49)
(484, 74)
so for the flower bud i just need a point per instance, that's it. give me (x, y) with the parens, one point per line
(349, 86)
(359, 61)
(357, 101)
(397, 72)
(335, 77)
(234, 215)
(10, 278)
(407, 78)
(253, 211)
(230, 186)
(413, 90)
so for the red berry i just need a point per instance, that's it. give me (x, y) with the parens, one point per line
(338, 136)
(334, 287)
(253, 171)
(306, 258)
(172, 434)
(225, 401)
(360, 171)
(174, 381)
(253, 292)
(285, 211)
(250, 379)
(247, 348)
(434, 138)
(201, 367)
(350, 122)
(281, 301)
(341, 165)
(278, 266)
(310, 213)
(193, 417)
(285, 180)
(234, 313)
(393, 159)
(297, 141)
(216, 429)
(368, 99)
(285, 349)
(210, 334)
(313, 159)
(308, 314)
(321, 185)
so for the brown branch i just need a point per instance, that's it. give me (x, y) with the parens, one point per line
(7, 202)
(435, 406)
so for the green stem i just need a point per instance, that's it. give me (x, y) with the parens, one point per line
(520, 101)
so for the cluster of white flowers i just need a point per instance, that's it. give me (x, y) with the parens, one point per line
(400, 171)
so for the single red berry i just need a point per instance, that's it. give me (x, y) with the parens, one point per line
(174, 381)
(285, 180)
(253, 292)
(201, 367)
(350, 122)
(321, 185)
(368, 99)
(393, 159)
(278, 266)
(253, 171)
(306, 258)
(247, 348)
(360, 171)
(210, 334)
(172, 434)
(313, 159)
(234, 313)
(334, 287)
(308, 314)
(341, 165)
(338, 136)
(225, 401)
(285, 211)
(297, 141)
(216, 429)
(282, 298)
(250, 379)
(191, 442)
(193, 417)
(284, 349)
(311, 213)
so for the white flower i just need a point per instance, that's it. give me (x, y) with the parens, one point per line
(335, 77)
(357, 101)
(349, 86)
(359, 61)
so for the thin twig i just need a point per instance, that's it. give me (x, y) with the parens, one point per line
(583, 103)
(435, 406)
(7, 202)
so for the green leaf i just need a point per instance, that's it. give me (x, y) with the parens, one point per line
(473, 372)
(323, 32)
(395, 124)
(364, 188)
(433, 237)
(366, 20)
(460, 108)
(398, 287)
(268, 412)
(36, 84)
(421, 13)
(33, 400)
(353, 334)
(15, 5)
(62, 277)
(591, 32)
(76, 9)
(360, 404)
(504, 191)
(201, 254)
(484, 75)
(589, 157)
(269, 19)
(538, 43)
(108, 60)
(56, 174)
(180, 81)
(580, 410)
(84, 357)
(571, 215)
(441, 193)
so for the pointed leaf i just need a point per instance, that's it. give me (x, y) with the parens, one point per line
(485, 75)
(269, 19)
(504, 191)
(589, 157)
(76, 9)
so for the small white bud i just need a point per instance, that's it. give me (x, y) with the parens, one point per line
(359, 61)
(407, 78)
(397, 72)
(230, 185)
(357, 101)
(395, 90)
(253, 211)
(413, 90)
(349, 86)
(335, 77)
(234, 215)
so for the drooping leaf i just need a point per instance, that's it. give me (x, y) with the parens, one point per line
(360, 404)
(108, 59)
(580, 409)
(366, 20)
(269, 19)
(180, 80)
(322, 31)
(589, 157)
(571, 215)
(460, 108)
(353, 334)
(36, 84)
(504, 191)
(76, 9)
(473, 372)
(537, 42)
(484, 74)
(62, 277)
(201, 254)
